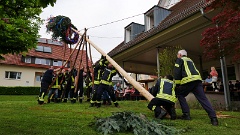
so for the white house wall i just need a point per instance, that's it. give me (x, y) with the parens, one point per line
(27, 76)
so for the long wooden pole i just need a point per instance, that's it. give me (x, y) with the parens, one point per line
(136, 85)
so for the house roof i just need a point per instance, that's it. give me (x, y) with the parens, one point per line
(179, 12)
(56, 54)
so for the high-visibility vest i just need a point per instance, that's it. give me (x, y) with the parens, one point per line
(185, 71)
(167, 90)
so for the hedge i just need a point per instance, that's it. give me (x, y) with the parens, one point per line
(23, 90)
(19, 90)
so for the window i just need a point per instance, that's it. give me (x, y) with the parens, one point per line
(13, 75)
(57, 63)
(43, 49)
(39, 48)
(38, 78)
(42, 61)
(48, 62)
(27, 59)
(37, 61)
(47, 49)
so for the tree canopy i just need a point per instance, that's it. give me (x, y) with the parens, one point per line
(224, 39)
(19, 23)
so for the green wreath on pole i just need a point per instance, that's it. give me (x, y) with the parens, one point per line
(60, 26)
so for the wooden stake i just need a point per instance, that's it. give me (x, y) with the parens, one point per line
(136, 84)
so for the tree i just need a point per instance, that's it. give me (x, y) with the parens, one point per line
(19, 23)
(167, 59)
(227, 33)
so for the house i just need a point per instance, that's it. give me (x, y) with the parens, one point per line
(181, 24)
(27, 69)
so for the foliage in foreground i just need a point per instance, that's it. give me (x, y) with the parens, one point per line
(130, 122)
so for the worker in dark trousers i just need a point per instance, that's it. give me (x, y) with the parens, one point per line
(45, 82)
(106, 84)
(68, 84)
(106, 98)
(71, 82)
(66, 88)
(98, 70)
(80, 85)
(88, 83)
(53, 92)
(188, 79)
(61, 78)
(164, 93)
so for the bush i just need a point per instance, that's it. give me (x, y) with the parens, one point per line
(19, 90)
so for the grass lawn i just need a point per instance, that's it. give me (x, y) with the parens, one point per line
(22, 115)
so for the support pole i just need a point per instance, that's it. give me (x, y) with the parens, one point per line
(223, 67)
(136, 85)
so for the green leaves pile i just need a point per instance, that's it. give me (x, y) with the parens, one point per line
(130, 122)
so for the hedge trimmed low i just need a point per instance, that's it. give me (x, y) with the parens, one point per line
(19, 90)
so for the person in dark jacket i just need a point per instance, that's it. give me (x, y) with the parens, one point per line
(164, 93)
(188, 79)
(80, 84)
(97, 73)
(45, 82)
(88, 83)
(106, 85)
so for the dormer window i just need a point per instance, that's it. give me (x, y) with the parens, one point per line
(43, 49)
(128, 34)
(149, 20)
(132, 30)
(154, 16)
(47, 49)
(39, 48)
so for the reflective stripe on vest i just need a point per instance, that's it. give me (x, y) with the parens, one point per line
(106, 82)
(56, 84)
(187, 62)
(167, 90)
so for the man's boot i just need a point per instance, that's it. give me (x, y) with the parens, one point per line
(40, 102)
(214, 121)
(49, 100)
(109, 102)
(116, 104)
(104, 102)
(55, 100)
(92, 105)
(186, 116)
(162, 114)
(98, 105)
(65, 100)
(173, 113)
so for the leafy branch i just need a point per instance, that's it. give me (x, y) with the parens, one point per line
(130, 122)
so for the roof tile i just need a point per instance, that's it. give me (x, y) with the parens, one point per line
(57, 54)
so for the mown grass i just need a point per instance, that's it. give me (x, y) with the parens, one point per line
(22, 115)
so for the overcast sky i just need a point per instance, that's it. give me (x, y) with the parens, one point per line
(90, 13)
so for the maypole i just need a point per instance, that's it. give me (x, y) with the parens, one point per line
(136, 85)
(57, 26)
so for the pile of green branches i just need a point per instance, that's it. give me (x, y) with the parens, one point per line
(130, 122)
(58, 26)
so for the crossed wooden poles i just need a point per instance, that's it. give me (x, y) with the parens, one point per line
(136, 85)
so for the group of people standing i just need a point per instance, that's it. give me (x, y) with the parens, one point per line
(167, 90)
(59, 84)
(103, 73)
